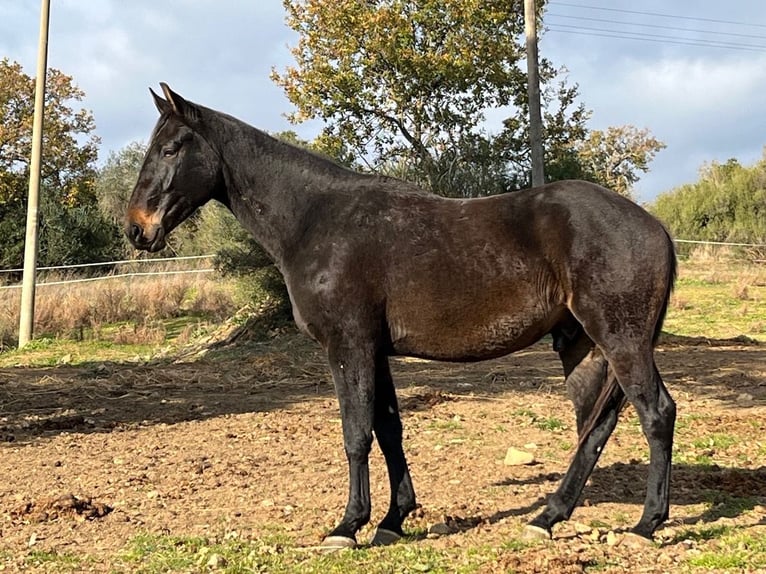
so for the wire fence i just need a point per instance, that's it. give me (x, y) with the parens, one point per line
(113, 275)
(125, 262)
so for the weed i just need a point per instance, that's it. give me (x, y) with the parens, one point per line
(717, 441)
(550, 424)
(62, 562)
(153, 554)
(734, 551)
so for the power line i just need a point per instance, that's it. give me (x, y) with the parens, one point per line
(712, 43)
(656, 14)
(655, 26)
(658, 40)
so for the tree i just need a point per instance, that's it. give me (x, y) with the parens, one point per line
(408, 82)
(68, 171)
(406, 86)
(71, 149)
(727, 203)
(613, 157)
(116, 179)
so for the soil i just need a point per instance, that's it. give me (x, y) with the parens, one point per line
(248, 438)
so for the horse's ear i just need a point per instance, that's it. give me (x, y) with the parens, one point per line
(186, 110)
(162, 105)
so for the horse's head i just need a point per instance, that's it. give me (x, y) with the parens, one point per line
(180, 173)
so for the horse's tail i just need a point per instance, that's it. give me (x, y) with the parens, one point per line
(611, 394)
(669, 284)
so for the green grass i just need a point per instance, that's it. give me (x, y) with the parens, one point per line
(50, 351)
(54, 561)
(734, 550)
(716, 440)
(155, 554)
(452, 424)
(724, 505)
(550, 424)
(718, 301)
(702, 534)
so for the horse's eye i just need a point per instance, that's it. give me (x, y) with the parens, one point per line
(169, 152)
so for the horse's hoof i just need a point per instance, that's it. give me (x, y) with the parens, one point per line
(338, 543)
(384, 537)
(633, 540)
(532, 532)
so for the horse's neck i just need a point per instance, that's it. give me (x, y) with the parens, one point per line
(271, 187)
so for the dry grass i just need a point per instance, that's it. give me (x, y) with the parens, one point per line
(124, 310)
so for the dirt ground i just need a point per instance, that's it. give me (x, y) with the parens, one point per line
(248, 439)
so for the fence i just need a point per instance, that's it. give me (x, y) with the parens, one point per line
(109, 276)
(690, 242)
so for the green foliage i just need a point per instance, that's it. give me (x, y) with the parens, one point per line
(614, 156)
(117, 178)
(406, 85)
(71, 227)
(77, 234)
(728, 203)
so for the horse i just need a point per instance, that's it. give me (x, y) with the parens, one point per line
(377, 267)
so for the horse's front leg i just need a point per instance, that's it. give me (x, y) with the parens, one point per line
(388, 431)
(353, 371)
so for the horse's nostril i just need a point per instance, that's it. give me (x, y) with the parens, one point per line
(135, 231)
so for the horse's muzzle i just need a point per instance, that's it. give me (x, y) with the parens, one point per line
(151, 240)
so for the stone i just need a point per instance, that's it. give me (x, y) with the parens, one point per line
(516, 457)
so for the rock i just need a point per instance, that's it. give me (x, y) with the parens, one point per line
(581, 528)
(216, 561)
(611, 538)
(635, 541)
(745, 400)
(516, 457)
(440, 529)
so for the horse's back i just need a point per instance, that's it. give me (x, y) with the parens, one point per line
(483, 277)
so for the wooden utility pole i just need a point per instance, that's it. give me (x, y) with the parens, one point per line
(30, 244)
(533, 93)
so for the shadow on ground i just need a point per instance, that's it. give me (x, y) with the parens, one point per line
(262, 376)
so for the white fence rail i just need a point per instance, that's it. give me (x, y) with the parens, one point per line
(211, 270)
(105, 263)
(722, 243)
(115, 275)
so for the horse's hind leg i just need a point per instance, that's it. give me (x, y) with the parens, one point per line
(643, 386)
(388, 431)
(587, 374)
(584, 369)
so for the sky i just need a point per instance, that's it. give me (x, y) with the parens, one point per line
(693, 72)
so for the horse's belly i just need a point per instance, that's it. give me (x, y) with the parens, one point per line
(468, 340)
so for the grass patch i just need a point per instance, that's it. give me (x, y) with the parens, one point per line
(155, 554)
(550, 424)
(51, 351)
(59, 562)
(741, 551)
(724, 505)
(89, 311)
(719, 300)
(717, 440)
(701, 535)
(453, 424)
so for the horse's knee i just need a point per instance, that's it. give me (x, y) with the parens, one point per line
(358, 447)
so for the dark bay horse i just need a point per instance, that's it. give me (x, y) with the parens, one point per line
(376, 267)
